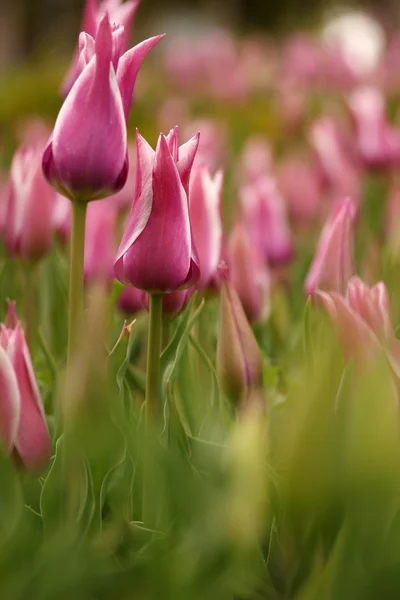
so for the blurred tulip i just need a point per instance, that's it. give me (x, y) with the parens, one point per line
(212, 144)
(32, 441)
(157, 251)
(363, 322)
(300, 185)
(120, 14)
(86, 158)
(239, 362)
(205, 197)
(30, 210)
(62, 216)
(392, 219)
(249, 274)
(173, 304)
(256, 159)
(333, 265)
(265, 215)
(378, 143)
(100, 242)
(131, 301)
(339, 175)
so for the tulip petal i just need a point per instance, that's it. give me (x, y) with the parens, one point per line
(33, 442)
(9, 401)
(128, 69)
(187, 154)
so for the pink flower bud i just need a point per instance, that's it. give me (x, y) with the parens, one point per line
(300, 185)
(31, 441)
(9, 402)
(29, 216)
(363, 322)
(212, 144)
(239, 363)
(119, 13)
(131, 301)
(205, 197)
(256, 159)
(249, 274)
(100, 242)
(265, 216)
(377, 142)
(333, 266)
(86, 158)
(157, 251)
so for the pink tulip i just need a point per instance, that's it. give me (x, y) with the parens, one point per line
(338, 171)
(256, 159)
(31, 440)
(333, 266)
(363, 322)
(119, 13)
(10, 401)
(100, 242)
(131, 301)
(123, 199)
(300, 185)
(212, 145)
(265, 216)
(239, 362)
(249, 275)
(62, 215)
(86, 158)
(377, 142)
(173, 304)
(157, 251)
(29, 216)
(205, 197)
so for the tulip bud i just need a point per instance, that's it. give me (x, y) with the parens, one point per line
(239, 362)
(131, 301)
(205, 195)
(32, 441)
(266, 219)
(29, 216)
(157, 252)
(256, 159)
(100, 242)
(249, 274)
(300, 185)
(212, 145)
(86, 158)
(333, 266)
(9, 401)
(377, 142)
(121, 14)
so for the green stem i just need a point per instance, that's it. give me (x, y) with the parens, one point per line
(76, 276)
(153, 356)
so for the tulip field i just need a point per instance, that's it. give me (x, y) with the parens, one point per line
(199, 353)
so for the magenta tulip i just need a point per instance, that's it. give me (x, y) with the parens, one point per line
(249, 274)
(119, 14)
(30, 210)
(205, 197)
(301, 187)
(265, 216)
(333, 265)
(9, 401)
(100, 242)
(256, 159)
(157, 251)
(363, 322)
(131, 301)
(173, 304)
(31, 440)
(87, 158)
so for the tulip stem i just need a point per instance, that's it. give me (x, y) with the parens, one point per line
(153, 356)
(76, 275)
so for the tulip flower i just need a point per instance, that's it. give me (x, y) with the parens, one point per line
(10, 401)
(173, 304)
(100, 242)
(31, 440)
(119, 13)
(333, 266)
(29, 225)
(300, 185)
(205, 196)
(131, 301)
(266, 219)
(378, 143)
(62, 214)
(86, 158)
(249, 275)
(123, 199)
(157, 252)
(256, 159)
(363, 322)
(338, 171)
(212, 145)
(239, 363)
